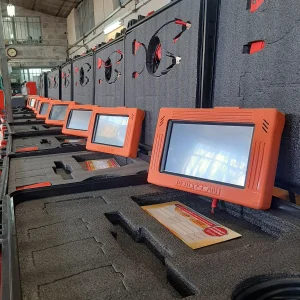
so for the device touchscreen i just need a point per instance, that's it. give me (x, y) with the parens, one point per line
(44, 108)
(79, 119)
(210, 152)
(58, 112)
(110, 130)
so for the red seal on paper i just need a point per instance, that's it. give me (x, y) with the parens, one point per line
(215, 231)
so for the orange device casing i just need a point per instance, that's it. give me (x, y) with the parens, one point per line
(28, 101)
(133, 131)
(76, 132)
(42, 101)
(37, 104)
(33, 98)
(57, 122)
(264, 150)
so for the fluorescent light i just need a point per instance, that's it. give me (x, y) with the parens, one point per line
(112, 27)
(11, 11)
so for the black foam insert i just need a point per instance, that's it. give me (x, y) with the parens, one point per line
(178, 88)
(269, 78)
(105, 237)
(109, 74)
(43, 85)
(54, 79)
(83, 79)
(66, 82)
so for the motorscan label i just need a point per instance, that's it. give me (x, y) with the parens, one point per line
(198, 187)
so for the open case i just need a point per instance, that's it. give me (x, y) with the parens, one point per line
(54, 80)
(92, 238)
(43, 110)
(26, 115)
(118, 237)
(103, 238)
(56, 143)
(66, 82)
(142, 281)
(83, 79)
(28, 119)
(113, 132)
(24, 112)
(109, 73)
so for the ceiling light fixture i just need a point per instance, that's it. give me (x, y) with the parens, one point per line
(11, 10)
(112, 27)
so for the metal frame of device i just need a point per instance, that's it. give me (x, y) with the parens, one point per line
(76, 132)
(48, 121)
(268, 125)
(133, 132)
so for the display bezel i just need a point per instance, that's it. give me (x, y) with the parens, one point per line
(133, 132)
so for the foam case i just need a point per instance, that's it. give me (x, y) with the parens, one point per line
(49, 144)
(31, 130)
(109, 74)
(54, 84)
(65, 168)
(23, 116)
(66, 82)
(102, 243)
(178, 9)
(28, 120)
(83, 79)
(20, 113)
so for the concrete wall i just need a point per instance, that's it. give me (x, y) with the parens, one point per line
(103, 9)
(52, 51)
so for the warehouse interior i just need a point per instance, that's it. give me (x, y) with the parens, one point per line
(149, 149)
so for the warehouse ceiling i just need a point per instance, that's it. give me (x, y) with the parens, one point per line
(58, 8)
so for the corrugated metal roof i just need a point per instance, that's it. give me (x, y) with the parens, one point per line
(58, 8)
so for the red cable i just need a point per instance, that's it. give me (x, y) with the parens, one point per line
(214, 205)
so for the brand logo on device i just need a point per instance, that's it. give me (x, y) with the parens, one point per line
(198, 187)
(109, 150)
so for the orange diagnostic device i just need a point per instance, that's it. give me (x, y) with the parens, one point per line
(57, 112)
(43, 108)
(115, 130)
(228, 153)
(31, 101)
(78, 120)
(36, 105)
(28, 101)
